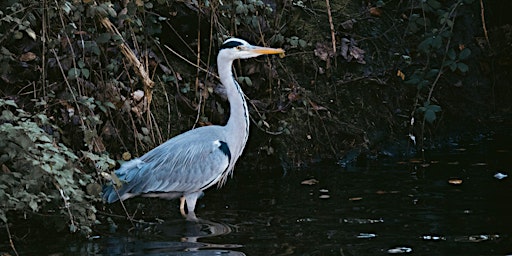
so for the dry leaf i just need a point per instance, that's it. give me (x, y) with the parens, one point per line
(28, 56)
(324, 51)
(138, 95)
(348, 24)
(375, 11)
(5, 169)
(292, 96)
(349, 51)
(309, 182)
(127, 156)
(455, 181)
(400, 74)
(316, 107)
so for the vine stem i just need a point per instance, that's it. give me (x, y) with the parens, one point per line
(11, 243)
(436, 80)
(442, 63)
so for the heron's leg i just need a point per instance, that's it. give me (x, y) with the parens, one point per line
(182, 206)
(191, 205)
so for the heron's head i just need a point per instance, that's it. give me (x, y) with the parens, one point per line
(235, 48)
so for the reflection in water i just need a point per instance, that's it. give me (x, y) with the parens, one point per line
(153, 239)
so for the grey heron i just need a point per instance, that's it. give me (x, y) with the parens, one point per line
(193, 161)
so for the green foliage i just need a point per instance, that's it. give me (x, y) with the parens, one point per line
(436, 55)
(40, 174)
(296, 42)
(454, 60)
(429, 111)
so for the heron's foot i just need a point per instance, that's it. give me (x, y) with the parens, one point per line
(191, 216)
(182, 207)
(191, 200)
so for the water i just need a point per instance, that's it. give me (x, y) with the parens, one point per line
(383, 207)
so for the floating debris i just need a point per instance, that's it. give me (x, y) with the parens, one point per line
(383, 192)
(416, 161)
(323, 193)
(500, 176)
(355, 199)
(306, 220)
(366, 235)
(362, 221)
(433, 238)
(477, 238)
(399, 250)
(455, 181)
(309, 182)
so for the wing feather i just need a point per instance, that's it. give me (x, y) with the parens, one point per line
(189, 162)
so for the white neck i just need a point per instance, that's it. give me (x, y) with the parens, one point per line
(238, 122)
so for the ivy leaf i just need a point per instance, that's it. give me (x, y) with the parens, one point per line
(434, 4)
(453, 66)
(103, 38)
(464, 54)
(451, 54)
(81, 64)
(437, 42)
(7, 116)
(248, 81)
(73, 73)
(462, 67)
(425, 44)
(435, 108)
(11, 103)
(430, 116)
(33, 205)
(85, 72)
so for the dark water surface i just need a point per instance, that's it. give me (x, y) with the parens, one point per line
(379, 208)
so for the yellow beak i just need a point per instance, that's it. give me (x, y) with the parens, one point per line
(267, 50)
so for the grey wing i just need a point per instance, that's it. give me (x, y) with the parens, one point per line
(186, 163)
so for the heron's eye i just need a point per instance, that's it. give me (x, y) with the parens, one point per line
(239, 47)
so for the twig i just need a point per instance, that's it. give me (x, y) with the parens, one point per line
(198, 109)
(43, 40)
(190, 62)
(333, 34)
(436, 80)
(198, 62)
(67, 204)
(139, 68)
(259, 114)
(114, 185)
(11, 243)
(482, 14)
(66, 81)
